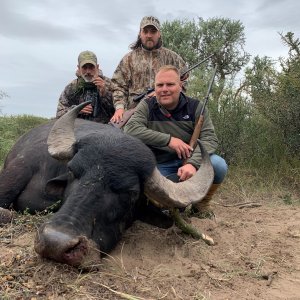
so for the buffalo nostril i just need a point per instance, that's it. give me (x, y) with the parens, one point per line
(53, 243)
(74, 255)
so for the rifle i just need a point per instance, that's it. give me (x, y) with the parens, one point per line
(128, 113)
(199, 124)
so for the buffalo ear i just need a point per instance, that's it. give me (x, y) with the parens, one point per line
(55, 187)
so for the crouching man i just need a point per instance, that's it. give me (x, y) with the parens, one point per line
(166, 123)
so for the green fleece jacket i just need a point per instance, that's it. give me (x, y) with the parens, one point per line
(154, 127)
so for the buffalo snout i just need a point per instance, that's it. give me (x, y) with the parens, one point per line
(65, 247)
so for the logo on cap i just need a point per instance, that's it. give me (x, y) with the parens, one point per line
(150, 21)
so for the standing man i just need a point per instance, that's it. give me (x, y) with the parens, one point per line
(136, 71)
(166, 123)
(89, 85)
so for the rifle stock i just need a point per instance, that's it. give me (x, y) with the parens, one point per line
(126, 116)
(196, 133)
(198, 126)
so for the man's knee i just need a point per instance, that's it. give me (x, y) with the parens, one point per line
(220, 167)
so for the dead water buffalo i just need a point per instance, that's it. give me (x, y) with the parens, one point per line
(98, 173)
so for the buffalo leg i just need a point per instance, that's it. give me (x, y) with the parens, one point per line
(13, 180)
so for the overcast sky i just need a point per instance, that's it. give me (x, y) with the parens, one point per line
(40, 40)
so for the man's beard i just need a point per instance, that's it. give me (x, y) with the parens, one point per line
(88, 77)
(149, 48)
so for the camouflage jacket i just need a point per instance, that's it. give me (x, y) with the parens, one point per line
(136, 72)
(79, 91)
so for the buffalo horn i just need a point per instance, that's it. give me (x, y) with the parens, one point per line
(170, 194)
(61, 137)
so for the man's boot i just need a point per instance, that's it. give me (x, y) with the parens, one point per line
(203, 209)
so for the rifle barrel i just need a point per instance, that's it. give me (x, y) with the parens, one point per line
(196, 65)
(209, 89)
(141, 96)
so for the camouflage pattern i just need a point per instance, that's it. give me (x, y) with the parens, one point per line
(87, 57)
(150, 21)
(136, 72)
(79, 91)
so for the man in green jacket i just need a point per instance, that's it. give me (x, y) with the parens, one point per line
(166, 123)
(136, 71)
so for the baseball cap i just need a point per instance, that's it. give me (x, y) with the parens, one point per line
(149, 20)
(87, 57)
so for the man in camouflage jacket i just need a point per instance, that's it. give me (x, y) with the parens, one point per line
(136, 71)
(89, 85)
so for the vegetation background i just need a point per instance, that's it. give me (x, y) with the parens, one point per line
(255, 105)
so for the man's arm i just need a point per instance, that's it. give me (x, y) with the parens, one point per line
(120, 86)
(137, 127)
(120, 81)
(64, 101)
(104, 107)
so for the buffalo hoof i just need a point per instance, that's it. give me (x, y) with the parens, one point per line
(6, 215)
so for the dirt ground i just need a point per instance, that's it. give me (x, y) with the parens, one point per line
(256, 256)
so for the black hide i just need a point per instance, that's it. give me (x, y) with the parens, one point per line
(99, 188)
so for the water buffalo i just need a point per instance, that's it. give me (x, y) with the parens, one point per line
(99, 174)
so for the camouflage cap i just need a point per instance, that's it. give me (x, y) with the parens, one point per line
(87, 57)
(149, 20)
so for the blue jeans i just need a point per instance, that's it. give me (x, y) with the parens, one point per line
(219, 165)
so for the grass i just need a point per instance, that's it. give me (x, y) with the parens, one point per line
(280, 183)
(11, 128)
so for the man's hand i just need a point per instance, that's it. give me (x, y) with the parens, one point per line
(87, 110)
(182, 149)
(100, 84)
(185, 172)
(118, 116)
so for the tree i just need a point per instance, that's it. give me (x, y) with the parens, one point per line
(258, 120)
(276, 95)
(287, 101)
(183, 37)
(195, 40)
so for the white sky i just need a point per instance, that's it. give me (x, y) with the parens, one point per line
(40, 40)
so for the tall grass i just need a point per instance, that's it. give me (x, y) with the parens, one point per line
(11, 128)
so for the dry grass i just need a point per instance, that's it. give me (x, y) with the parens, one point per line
(24, 275)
